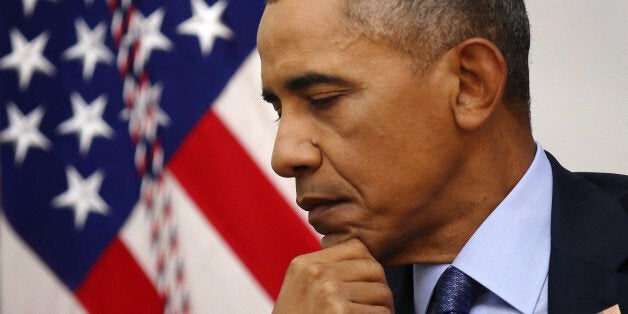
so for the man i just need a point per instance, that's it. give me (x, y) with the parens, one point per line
(406, 127)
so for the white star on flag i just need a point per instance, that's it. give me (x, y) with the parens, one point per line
(24, 132)
(27, 57)
(87, 121)
(206, 24)
(146, 30)
(29, 6)
(90, 47)
(82, 196)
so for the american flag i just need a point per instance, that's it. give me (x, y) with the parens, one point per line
(135, 160)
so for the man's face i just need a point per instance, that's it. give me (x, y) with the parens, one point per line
(371, 143)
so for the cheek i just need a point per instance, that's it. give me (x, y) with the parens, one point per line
(395, 171)
(393, 148)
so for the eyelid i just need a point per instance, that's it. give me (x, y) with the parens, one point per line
(326, 97)
(324, 100)
(321, 99)
(327, 94)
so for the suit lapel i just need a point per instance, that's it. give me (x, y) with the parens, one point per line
(402, 286)
(589, 246)
(588, 269)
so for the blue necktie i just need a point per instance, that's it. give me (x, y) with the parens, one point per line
(455, 292)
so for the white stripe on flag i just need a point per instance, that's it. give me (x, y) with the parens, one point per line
(218, 281)
(241, 108)
(33, 287)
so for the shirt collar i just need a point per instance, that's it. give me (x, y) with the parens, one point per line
(509, 253)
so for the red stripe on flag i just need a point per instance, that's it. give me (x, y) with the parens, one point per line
(240, 202)
(116, 284)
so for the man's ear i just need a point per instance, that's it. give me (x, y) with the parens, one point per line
(482, 73)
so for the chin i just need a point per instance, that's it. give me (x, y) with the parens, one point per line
(334, 239)
(384, 256)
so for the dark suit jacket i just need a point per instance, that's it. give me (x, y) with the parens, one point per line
(588, 269)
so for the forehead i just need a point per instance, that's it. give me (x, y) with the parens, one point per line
(295, 35)
(290, 19)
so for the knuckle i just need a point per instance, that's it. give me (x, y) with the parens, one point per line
(301, 263)
(304, 267)
(338, 307)
(359, 246)
(384, 291)
(313, 271)
(374, 269)
(298, 262)
(332, 305)
(375, 266)
(330, 289)
(383, 310)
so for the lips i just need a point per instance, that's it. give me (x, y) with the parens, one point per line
(318, 203)
(323, 213)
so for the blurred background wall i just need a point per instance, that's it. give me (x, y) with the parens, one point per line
(579, 82)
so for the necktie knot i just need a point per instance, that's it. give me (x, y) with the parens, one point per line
(455, 292)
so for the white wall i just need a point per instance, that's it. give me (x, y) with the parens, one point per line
(579, 81)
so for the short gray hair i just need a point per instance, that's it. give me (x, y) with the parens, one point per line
(426, 29)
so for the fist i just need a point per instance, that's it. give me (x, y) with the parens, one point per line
(341, 279)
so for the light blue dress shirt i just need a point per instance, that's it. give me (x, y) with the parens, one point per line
(509, 253)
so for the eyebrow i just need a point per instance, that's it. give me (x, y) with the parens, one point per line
(302, 82)
(310, 79)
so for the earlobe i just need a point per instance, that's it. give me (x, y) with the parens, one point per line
(482, 74)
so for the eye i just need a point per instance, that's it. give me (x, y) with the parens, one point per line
(324, 101)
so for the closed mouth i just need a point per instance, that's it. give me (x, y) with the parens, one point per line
(318, 203)
(321, 212)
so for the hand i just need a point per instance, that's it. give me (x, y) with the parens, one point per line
(341, 279)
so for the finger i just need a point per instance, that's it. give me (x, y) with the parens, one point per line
(369, 309)
(351, 249)
(369, 293)
(314, 274)
(357, 270)
(348, 307)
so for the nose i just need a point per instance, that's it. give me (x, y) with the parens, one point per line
(295, 151)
